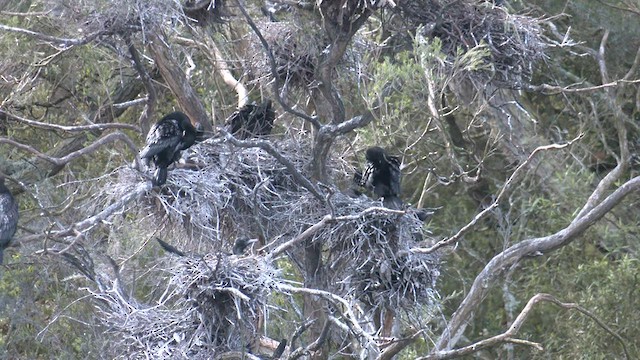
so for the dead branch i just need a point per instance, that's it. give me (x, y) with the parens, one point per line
(481, 285)
(508, 336)
(487, 212)
(266, 146)
(152, 95)
(552, 89)
(344, 307)
(52, 39)
(69, 128)
(326, 220)
(78, 153)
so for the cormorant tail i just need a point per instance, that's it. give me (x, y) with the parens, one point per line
(160, 176)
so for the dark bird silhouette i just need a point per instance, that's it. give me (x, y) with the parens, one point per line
(8, 217)
(382, 176)
(166, 138)
(252, 121)
(170, 248)
(279, 350)
(241, 245)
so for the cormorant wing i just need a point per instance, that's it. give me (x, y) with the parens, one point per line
(163, 135)
(394, 174)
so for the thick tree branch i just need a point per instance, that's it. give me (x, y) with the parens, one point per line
(177, 81)
(516, 175)
(482, 284)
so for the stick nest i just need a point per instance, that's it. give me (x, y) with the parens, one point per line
(515, 42)
(211, 306)
(226, 192)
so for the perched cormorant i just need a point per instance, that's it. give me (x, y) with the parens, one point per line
(252, 121)
(8, 217)
(241, 245)
(382, 176)
(172, 134)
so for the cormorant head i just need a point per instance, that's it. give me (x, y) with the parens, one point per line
(375, 155)
(241, 245)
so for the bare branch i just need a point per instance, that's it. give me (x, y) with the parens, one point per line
(481, 285)
(80, 227)
(552, 90)
(342, 304)
(150, 104)
(71, 128)
(487, 211)
(327, 219)
(508, 336)
(266, 146)
(76, 154)
(61, 41)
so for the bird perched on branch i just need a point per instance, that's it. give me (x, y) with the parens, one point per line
(8, 217)
(382, 176)
(166, 138)
(252, 121)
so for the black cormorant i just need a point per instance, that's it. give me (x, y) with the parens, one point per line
(382, 176)
(170, 248)
(241, 245)
(8, 217)
(172, 134)
(252, 121)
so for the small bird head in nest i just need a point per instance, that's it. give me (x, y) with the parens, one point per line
(241, 244)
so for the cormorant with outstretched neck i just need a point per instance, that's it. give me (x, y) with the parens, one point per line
(382, 176)
(8, 217)
(166, 138)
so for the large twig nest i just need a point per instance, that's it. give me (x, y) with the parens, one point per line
(515, 43)
(212, 305)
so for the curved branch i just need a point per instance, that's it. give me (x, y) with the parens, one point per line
(76, 154)
(326, 220)
(70, 128)
(481, 285)
(346, 310)
(508, 335)
(488, 210)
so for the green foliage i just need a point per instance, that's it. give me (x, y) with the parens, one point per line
(41, 316)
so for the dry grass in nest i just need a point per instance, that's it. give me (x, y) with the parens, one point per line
(369, 255)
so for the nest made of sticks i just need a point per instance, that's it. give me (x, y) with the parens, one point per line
(515, 42)
(370, 258)
(211, 305)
